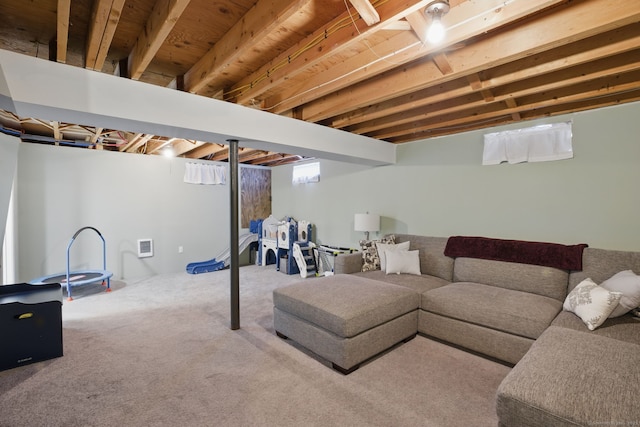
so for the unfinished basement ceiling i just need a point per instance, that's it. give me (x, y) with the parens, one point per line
(370, 73)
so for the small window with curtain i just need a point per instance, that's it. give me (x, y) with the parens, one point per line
(541, 143)
(303, 174)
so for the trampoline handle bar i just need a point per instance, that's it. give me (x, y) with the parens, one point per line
(84, 228)
(104, 249)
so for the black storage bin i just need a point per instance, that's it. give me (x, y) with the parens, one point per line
(30, 323)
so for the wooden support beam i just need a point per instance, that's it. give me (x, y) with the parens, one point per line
(138, 141)
(55, 127)
(163, 18)
(511, 104)
(510, 45)
(616, 53)
(366, 10)
(104, 20)
(205, 150)
(258, 22)
(62, 29)
(440, 59)
(317, 47)
(418, 24)
(96, 135)
(399, 49)
(448, 101)
(474, 81)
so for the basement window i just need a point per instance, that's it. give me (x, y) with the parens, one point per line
(533, 144)
(303, 174)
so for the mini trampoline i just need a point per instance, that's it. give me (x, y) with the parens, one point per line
(78, 278)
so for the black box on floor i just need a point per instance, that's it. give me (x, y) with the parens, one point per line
(30, 323)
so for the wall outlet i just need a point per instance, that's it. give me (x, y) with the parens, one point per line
(180, 249)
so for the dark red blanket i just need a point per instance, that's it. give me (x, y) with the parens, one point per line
(536, 253)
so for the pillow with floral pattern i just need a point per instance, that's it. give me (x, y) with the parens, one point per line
(370, 256)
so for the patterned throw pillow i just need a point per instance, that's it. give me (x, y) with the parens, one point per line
(591, 303)
(370, 257)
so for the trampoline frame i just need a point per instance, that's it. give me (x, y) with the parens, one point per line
(105, 275)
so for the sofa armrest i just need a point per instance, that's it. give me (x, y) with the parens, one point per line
(348, 263)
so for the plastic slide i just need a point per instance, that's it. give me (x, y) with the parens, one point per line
(222, 260)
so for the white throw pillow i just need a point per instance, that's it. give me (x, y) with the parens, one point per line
(403, 262)
(389, 247)
(591, 303)
(627, 283)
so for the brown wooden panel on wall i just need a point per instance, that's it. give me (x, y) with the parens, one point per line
(255, 195)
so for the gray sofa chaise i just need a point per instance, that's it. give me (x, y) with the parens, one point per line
(564, 375)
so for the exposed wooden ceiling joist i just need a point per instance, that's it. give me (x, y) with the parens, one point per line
(502, 61)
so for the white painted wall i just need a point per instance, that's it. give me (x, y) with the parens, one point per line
(8, 162)
(438, 187)
(126, 197)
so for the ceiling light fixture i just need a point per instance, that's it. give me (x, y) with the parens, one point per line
(436, 31)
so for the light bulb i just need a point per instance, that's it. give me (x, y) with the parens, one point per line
(436, 32)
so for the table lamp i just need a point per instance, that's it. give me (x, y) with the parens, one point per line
(366, 222)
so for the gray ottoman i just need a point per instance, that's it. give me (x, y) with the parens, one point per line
(344, 318)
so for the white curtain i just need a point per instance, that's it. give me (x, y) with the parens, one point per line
(535, 144)
(201, 173)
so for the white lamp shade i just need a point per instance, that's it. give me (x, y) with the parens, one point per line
(366, 222)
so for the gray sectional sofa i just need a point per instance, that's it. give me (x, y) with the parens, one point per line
(564, 374)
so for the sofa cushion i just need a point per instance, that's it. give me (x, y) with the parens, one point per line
(601, 264)
(545, 281)
(591, 303)
(628, 284)
(571, 378)
(623, 328)
(506, 310)
(420, 284)
(346, 305)
(432, 258)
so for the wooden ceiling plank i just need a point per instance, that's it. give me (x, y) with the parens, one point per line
(185, 145)
(104, 20)
(258, 22)
(136, 143)
(393, 53)
(366, 10)
(62, 30)
(578, 53)
(400, 25)
(163, 18)
(587, 18)
(204, 150)
(161, 144)
(333, 38)
(554, 110)
(447, 103)
(592, 89)
(284, 159)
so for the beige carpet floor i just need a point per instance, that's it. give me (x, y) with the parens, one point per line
(159, 352)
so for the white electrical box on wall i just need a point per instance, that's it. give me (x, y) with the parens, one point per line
(145, 248)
